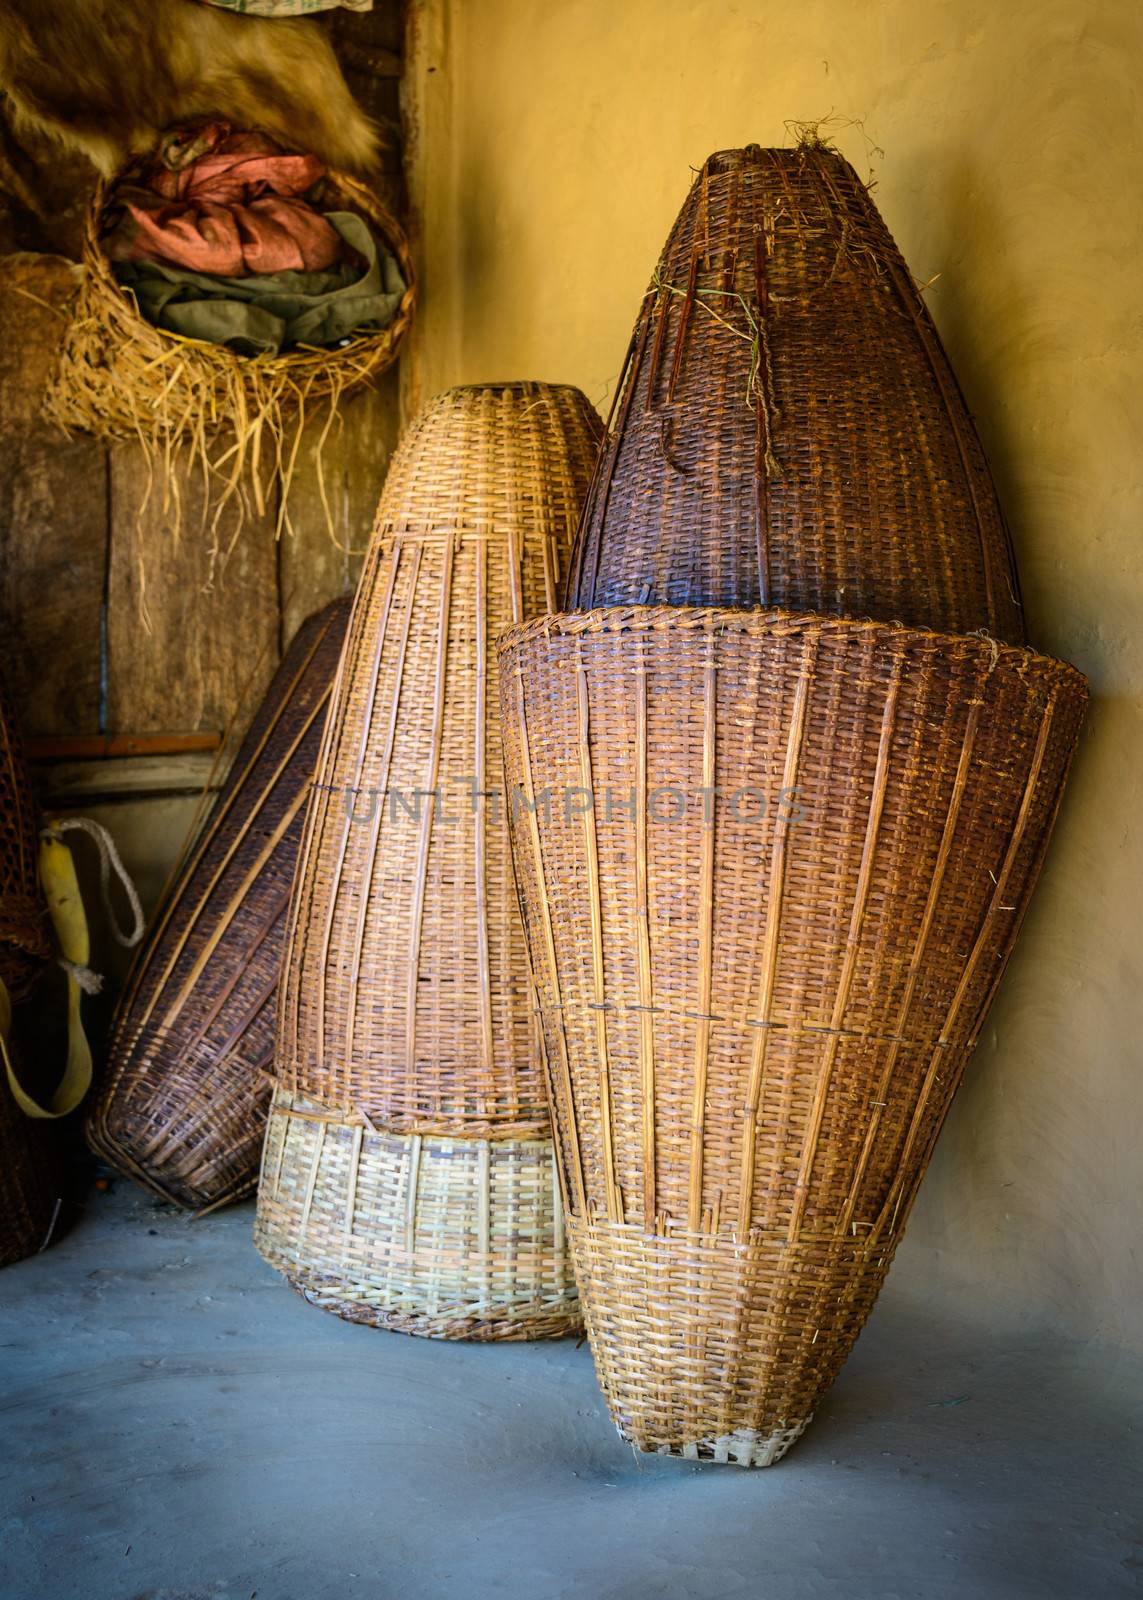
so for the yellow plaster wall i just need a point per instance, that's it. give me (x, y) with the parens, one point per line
(552, 142)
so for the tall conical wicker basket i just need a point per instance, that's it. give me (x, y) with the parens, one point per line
(182, 1107)
(771, 867)
(788, 431)
(408, 1177)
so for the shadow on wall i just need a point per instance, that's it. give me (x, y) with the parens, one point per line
(986, 320)
(1019, 1209)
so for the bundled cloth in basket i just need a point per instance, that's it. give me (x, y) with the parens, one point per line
(787, 430)
(182, 1108)
(218, 241)
(408, 1178)
(231, 367)
(764, 938)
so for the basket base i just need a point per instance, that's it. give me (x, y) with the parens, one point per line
(713, 1351)
(442, 1238)
(558, 1321)
(746, 1448)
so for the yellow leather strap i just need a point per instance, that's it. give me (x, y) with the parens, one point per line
(65, 903)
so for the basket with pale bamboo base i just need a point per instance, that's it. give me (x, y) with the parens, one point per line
(408, 1177)
(453, 1238)
(764, 936)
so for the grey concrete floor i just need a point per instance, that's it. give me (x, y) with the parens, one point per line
(175, 1424)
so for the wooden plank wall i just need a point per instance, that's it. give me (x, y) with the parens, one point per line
(109, 622)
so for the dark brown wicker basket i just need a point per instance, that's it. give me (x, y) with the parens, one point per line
(762, 959)
(24, 943)
(28, 1192)
(183, 1106)
(788, 430)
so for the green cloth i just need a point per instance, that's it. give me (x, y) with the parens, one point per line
(267, 313)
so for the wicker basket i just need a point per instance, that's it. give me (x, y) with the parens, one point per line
(763, 956)
(406, 1002)
(29, 1197)
(122, 378)
(183, 1105)
(24, 942)
(788, 431)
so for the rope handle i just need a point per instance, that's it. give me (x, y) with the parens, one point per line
(109, 860)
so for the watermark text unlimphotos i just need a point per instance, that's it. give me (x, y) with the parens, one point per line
(666, 803)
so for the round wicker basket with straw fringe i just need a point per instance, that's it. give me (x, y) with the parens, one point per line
(764, 934)
(123, 378)
(408, 1177)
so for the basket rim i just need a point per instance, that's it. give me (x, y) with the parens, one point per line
(742, 157)
(759, 623)
(503, 386)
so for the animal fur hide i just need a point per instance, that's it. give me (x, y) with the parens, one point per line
(108, 76)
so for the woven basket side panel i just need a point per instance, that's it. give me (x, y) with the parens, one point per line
(27, 1190)
(407, 994)
(789, 431)
(442, 1237)
(752, 1340)
(182, 1105)
(23, 928)
(774, 1046)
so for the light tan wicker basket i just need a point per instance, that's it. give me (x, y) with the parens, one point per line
(406, 1002)
(763, 954)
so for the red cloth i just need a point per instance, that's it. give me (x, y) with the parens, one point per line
(227, 204)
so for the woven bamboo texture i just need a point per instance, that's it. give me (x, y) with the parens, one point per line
(446, 1238)
(788, 430)
(182, 1107)
(28, 1192)
(406, 1005)
(406, 992)
(763, 956)
(24, 943)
